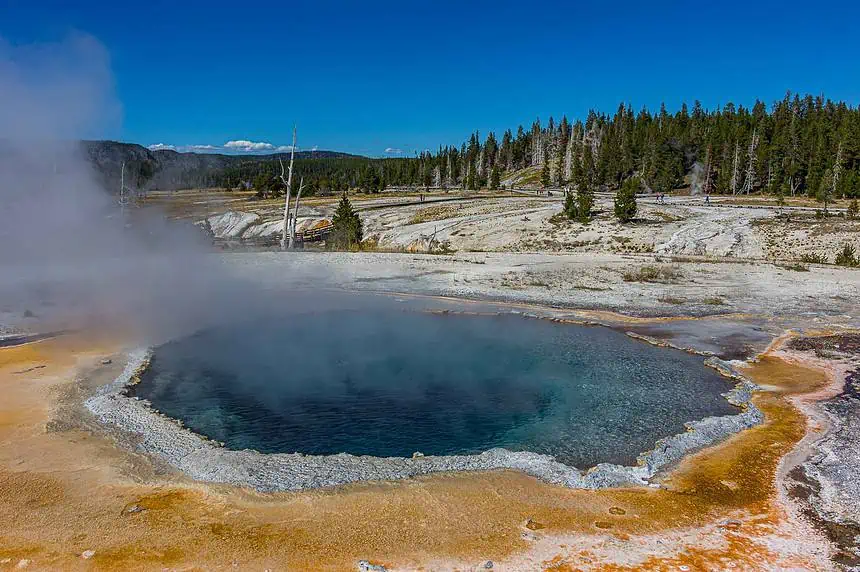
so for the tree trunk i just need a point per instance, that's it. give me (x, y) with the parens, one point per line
(296, 214)
(735, 169)
(288, 182)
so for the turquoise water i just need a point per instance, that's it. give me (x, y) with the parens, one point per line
(389, 383)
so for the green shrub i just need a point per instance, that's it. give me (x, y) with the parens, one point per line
(571, 210)
(625, 200)
(584, 203)
(847, 256)
(346, 227)
(652, 273)
(814, 258)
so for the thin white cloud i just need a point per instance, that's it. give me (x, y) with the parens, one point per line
(248, 146)
(393, 151)
(193, 148)
(233, 146)
(161, 147)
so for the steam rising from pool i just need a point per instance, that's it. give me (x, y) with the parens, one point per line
(389, 383)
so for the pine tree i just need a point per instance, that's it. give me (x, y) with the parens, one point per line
(471, 178)
(570, 209)
(625, 200)
(346, 230)
(584, 203)
(780, 194)
(495, 178)
(544, 175)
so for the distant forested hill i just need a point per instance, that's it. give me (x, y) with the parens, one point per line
(169, 170)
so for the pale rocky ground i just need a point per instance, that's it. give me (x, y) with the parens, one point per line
(528, 221)
(579, 280)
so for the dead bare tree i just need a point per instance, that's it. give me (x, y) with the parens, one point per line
(288, 181)
(707, 186)
(122, 188)
(296, 214)
(749, 179)
(568, 159)
(735, 169)
(837, 170)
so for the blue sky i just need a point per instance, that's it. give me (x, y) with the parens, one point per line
(368, 76)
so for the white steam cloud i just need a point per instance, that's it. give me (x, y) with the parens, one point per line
(69, 258)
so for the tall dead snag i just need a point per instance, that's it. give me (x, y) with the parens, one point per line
(734, 182)
(288, 181)
(749, 179)
(296, 214)
(123, 199)
(837, 171)
(707, 185)
(122, 191)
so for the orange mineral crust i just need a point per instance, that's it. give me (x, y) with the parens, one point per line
(71, 498)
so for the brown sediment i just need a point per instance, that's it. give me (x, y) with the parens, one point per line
(65, 492)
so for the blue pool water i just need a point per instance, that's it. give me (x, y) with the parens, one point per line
(389, 383)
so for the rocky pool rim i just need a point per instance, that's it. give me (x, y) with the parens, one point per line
(138, 425)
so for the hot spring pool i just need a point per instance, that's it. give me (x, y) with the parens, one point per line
(389, 383)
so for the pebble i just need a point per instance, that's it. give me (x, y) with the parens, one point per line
(107, 361)
(135, 508)
(731, 524)
(87, 554)
(23, 563)
(529, 535)
(488, 565)
(366, 566)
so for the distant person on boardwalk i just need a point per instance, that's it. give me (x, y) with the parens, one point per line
(707, 198)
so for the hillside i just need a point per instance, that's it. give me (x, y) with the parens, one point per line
(168, 170)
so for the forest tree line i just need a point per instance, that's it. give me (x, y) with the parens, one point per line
(798, 146)
(807, 145)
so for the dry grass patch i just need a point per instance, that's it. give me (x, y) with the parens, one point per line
(653, 273)
(795, 267)
(430, 214)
